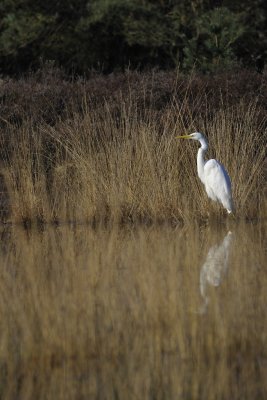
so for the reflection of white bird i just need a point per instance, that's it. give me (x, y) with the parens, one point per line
(215, 266)
(212, 174)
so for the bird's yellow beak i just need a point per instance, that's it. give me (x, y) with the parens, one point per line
(184, 137)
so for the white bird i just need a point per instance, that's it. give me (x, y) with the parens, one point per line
(212, 174)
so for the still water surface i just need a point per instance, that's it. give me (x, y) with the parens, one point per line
(134, 313)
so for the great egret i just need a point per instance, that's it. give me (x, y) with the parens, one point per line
(212, 174)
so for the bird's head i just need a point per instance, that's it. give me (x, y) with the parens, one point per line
(196, 136)
(193, 136)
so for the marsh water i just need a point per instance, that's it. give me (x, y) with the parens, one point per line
(154, 312)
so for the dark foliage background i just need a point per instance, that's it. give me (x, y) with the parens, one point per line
(82, 35)
(49, 95)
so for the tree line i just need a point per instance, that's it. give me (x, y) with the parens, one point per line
(81, 35)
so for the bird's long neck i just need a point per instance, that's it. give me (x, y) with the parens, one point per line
(200, 158)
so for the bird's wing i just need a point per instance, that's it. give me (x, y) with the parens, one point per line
(218, 184)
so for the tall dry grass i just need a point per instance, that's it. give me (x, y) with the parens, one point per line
(121, 162)
(115, 314)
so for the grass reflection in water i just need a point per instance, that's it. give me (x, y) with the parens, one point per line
(114, 314)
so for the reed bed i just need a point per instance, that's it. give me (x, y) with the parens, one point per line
(118, 314)
(120, 162)
(101, 306)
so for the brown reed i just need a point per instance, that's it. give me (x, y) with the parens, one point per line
(121, 162)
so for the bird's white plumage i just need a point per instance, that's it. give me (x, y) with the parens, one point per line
(218, 184)
(212, 174)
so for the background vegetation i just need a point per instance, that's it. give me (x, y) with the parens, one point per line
(108, 34)
(104, 149)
